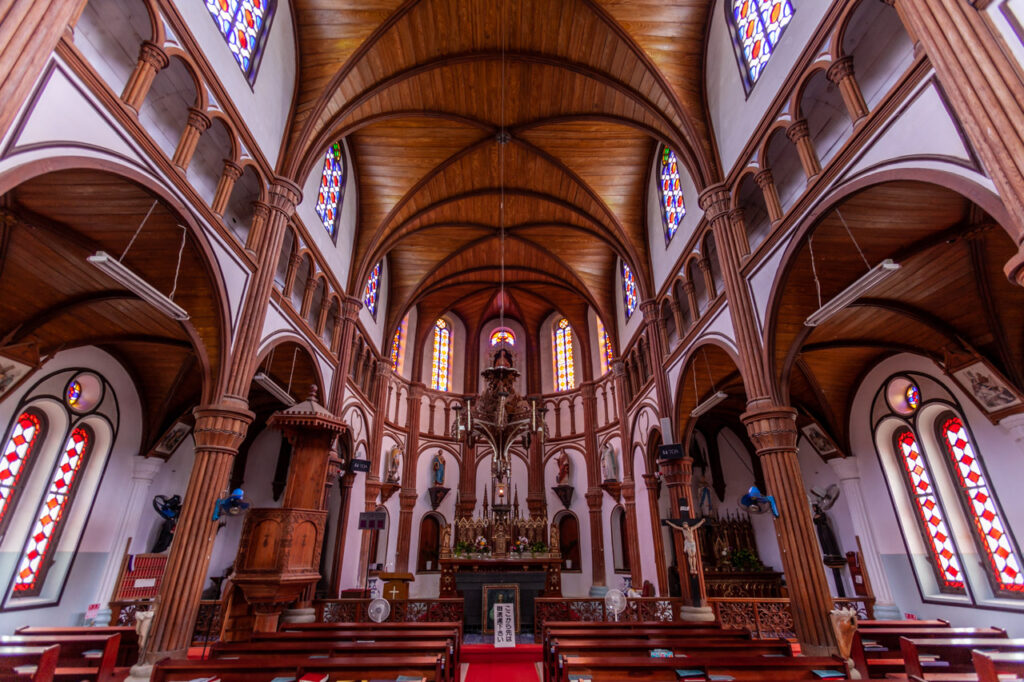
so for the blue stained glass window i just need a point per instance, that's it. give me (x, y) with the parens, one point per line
(244, 24)
(759, 25)
(370, 293)
(672, 204)
(332, 181)
(630, 296)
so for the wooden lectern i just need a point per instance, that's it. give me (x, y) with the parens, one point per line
(396, 585)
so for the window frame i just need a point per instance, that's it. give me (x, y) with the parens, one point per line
(333, 233)
(259, 49)
(737, 42)
(661, 193)
(27, 466)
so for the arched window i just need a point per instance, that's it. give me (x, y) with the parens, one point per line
(396, 347)
(562, 349)
(430, 544)
(440, 375)
(36, 557)
(605, 344)
(503, 335)
(332, 186)
(569, 541)
(673, 208)
(25, 434)
(370, 292)
(759, 25)
(245, 25)
(629, 290)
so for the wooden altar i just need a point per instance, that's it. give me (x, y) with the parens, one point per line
(532, 577)
(550, 565)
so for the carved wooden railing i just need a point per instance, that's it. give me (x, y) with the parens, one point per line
(208, 619)
(771, 618)
(123, 612)
(402, 611)
(589, 609)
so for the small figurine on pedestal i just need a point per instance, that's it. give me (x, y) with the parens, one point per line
(563, 469)
(394, 464)
(609, 464)
(437, 466)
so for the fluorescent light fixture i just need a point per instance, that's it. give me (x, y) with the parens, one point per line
(708, 404)
(138, 286)
(853, 292)
(273, 388)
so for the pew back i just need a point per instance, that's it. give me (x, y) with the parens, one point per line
(42, 658)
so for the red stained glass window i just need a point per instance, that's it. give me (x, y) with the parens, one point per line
(17, 455)
(332, 182)
(440, 373)
(243, 23)
(565, 366)
(371, 290)
(672, 205)
(396, 347)
(606, 347)
(759, 25)
(629, 291)
(503, 335)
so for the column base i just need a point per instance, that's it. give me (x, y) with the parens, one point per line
(298, 615)
(700, 614)
(887, 612)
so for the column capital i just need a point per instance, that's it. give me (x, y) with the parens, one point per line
(232, 170)
(384, 368)
(714, 201)
(764, 179)
(619, 367)
(594, 498)
(846, 468)
(284, 196)
(221, 427)
(704, 264)
(416, 390)
(198, 119)
(153, 54)
(649, 308)
(587, 390)
(407, 499)
(146, 468)
(689, 287)
(260, 210)
(840, 69)
(350, 307)
(772, 429)
(628, 491)
(798, 130)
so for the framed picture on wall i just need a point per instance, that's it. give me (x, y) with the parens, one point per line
(13, 371)
(498, 594)
(819, 440)
(985, 384)
(171, 439)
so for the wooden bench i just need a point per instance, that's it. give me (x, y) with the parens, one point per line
(35, 663)
(616, 669)
(127, 655)
(905, 624)
(264, 669)
(991, 666)
(339, 649)
(954, 655)
(876, 652)
(439, 631)
(81, 657)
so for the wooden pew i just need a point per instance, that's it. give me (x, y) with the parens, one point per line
(989, 666)
(451, 631)
(905, 624)
(15, 659)
(616, 669)
(76, 660)
(884, 656)
(954, 654)
(265, 668)
(127, 655)
(340, 649)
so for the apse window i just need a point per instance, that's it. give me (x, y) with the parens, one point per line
(440, 372)
(630, 297)
(672, 206)
(605, 343)
(245, 25)
(563, 352)
(372, 289)
(332, 187)
(959, 544)
(758, 26)
(503, 336)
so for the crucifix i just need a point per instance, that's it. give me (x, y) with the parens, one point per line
(394, 592)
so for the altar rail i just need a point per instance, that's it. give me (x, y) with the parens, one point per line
(208, 618)
(771, 618)
(402, 610)
(587, 609)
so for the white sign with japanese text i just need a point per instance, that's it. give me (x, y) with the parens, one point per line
(504, 625)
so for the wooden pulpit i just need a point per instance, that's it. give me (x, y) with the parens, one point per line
(396, 585)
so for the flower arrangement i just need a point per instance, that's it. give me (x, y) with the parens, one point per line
(480, 545)
(539, 547)
(521, 545)
(463, 547)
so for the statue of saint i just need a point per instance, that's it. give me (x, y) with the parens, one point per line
(556, 544)
(437, 467)
(446, 539)
(563, 469)
(394, 464)
(609, 466)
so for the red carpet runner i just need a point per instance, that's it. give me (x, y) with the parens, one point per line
(487, 664)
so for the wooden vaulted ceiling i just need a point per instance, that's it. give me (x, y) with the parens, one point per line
(590, 89)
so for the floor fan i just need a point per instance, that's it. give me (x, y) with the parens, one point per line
(379, 610)
(615, 601)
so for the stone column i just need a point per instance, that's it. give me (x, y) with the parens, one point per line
(198, 123)
(766, 182)
(982, 81)
(152, 59)
(134, 499)
(849, 481)
(774, 434)
(841, 73)
(232, 171)
(407, 497)
(653, 483)
(218, 432)
(800, 135)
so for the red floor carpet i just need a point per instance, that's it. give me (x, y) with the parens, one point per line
(487, 664)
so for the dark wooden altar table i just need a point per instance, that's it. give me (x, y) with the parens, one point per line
(466, 577)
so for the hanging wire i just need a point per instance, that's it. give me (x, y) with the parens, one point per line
(707, 364)
(501, 170)
(292, 372)
(814, 270)
(177, 270)
(853, 239)
(137, 231)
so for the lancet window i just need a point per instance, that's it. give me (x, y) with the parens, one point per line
(371, 290)
(440, 374)
(564, 354)
(629, 291)
(244, 25)
(605, 344)
(25, 434)
(672, 206)
(759, 25)
(332, 186)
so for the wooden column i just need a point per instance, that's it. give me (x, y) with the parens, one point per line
(595, 493)
(294, 260)
(219, 430)
(536, 498)
(654, 327)
(407, 497)
(260, 216)
(677, 315)
(691, 295)
(629, 504)
(800, 135)
(345, 328)
(307, 296)
(704, 265)
(467, 484)
(340, 533)
(766, 182)
(653, 483)
(198, 123)
(152, 60)
(841, 73)
(774, 433)
(677, 475)
(595, 501)
(982, 81)
(225, 185)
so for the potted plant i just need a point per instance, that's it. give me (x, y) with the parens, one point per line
(521, 546)
(539, 548)
(462, 548)
(480, 546)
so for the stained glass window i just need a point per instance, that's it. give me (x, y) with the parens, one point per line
(74, 394)
(629, 290)
(913, 395)
(759, 25)
(17, 454)
(932, 520)
(565, 370)
(671, 193)
(605, 344)
(370, 293)
(243, 23)
(503, 335)
(332, 182)
(979, 501)
(33, 564)
(440, 375)
(396, 348)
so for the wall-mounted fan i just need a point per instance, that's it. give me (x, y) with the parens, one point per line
(755, 502)
(615, 602)
(230, 505)
(824, 498)
(379, 610)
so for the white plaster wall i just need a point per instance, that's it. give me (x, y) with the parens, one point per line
(664, 258)
(573, 584)
(1008, 18)
(265, 105)
(109, 34)
(428, 585)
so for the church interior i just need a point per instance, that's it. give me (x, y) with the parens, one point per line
(511, 340)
